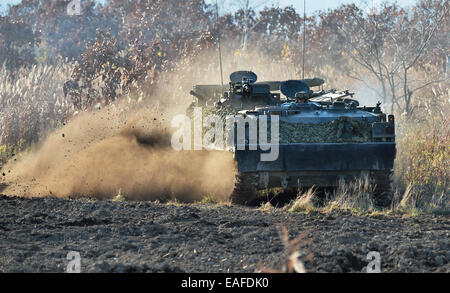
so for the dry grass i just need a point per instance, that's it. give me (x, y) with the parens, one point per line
(415, 201)
(211, 199)
(267, 207)
(356, 195)
(119, 197)
(31, 104)
(304, 202)
(293, 257)
(422, 167)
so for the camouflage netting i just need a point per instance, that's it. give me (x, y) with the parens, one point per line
(222, 110)
(341, 130)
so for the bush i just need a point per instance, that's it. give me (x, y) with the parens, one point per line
(422, 166)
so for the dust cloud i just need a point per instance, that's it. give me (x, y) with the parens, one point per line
(123, 148)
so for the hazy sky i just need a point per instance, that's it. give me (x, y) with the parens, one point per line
(311, 5)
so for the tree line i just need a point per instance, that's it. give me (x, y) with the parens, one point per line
(395, 52)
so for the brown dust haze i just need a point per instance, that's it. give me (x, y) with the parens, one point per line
(125, 147)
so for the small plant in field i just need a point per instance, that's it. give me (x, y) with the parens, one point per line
(292, 254)
(119, 197)
(355, 196)
(174, 202)
(415, 201)
(210, 199)
(3, 155)
(408, 199)
(266, 207)
(270, 193)
(304, 202)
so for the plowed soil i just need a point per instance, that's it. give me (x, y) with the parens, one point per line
(37, 234)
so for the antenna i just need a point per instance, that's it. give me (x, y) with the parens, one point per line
(304, 38)
(220, 48)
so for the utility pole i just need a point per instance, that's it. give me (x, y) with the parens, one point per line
(220, 48)
(304, 38)
(447, 67)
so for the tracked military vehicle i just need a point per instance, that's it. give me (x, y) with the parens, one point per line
(325, 136)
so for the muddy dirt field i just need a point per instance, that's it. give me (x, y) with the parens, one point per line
(37, 234)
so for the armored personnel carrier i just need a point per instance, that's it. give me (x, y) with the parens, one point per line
(324, 137)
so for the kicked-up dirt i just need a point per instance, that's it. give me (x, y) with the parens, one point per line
(37, 234)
